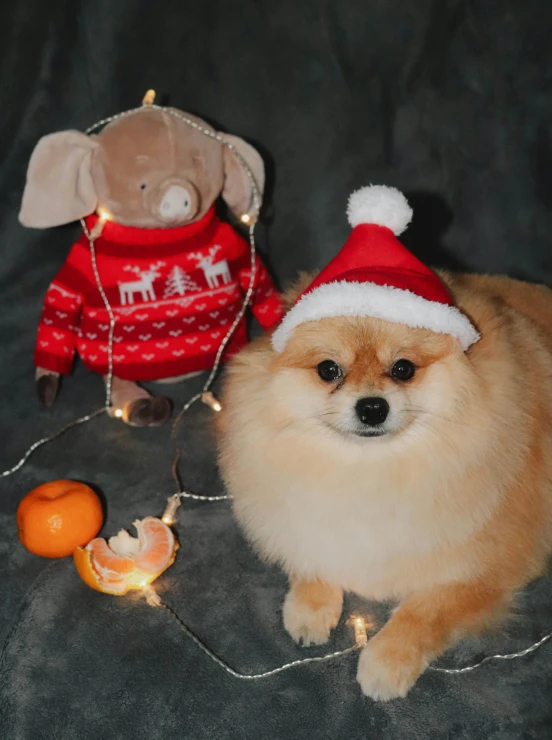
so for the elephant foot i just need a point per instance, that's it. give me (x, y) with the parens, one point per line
(136, 407)
(148, 412)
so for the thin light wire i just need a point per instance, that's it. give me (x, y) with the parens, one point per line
(208, 383)
(256, 201)
(251, 676)
(196, 497)
(185, 494)
(328, 656)
(498, 656)
(109, 379)
(92, 236)
(50, 438)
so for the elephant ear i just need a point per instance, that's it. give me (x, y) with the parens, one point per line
(237, 191)
(59, 187)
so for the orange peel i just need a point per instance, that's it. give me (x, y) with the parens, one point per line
(125, 563)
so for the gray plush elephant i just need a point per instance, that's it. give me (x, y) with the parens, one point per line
(174, 274)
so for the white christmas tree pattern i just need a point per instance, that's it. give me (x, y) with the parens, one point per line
(179, 283)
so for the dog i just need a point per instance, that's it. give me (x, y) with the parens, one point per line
(387, 460)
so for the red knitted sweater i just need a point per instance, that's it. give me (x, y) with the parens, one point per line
(174, 293)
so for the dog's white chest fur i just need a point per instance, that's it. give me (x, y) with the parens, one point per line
(339, 543)
(348, 527)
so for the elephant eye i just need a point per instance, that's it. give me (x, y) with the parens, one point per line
(143, 186)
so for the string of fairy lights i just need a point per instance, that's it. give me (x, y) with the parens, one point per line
(361, 624)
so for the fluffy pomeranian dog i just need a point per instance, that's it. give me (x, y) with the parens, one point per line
(390, 460)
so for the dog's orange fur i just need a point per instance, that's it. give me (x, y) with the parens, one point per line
(449, 513)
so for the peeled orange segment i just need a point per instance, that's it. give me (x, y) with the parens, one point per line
(107, 563)
(125, 562)
(83, 561)
(152, 559)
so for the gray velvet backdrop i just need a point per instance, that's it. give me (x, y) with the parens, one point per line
(449, 100)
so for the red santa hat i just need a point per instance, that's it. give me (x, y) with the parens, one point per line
(375, 275)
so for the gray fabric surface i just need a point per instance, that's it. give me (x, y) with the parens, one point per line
(448, 100)
(78, 664)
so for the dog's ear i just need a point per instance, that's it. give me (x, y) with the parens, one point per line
(292, 292)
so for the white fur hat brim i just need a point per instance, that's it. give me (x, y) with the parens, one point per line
(377, 301)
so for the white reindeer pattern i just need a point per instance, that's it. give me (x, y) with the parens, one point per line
(144, 286)
(212, 270)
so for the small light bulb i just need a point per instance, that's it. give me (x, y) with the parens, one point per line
(245, 218)
(360, 627)
(149, 98)
(169, 515)
(209, 400)
(152, 597)
(103, 215)
(118, 413)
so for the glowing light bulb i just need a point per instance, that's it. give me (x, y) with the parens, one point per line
(103, 215)
(169, 515)
(152, 597)
(209, 400)
(360, 627)
(149, 98)
(245, 218)
(118, 413)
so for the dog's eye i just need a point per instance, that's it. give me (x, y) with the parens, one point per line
(403, 370)
(329, 371)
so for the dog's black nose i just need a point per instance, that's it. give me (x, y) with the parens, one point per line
(372, 411)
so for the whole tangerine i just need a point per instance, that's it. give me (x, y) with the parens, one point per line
(57, 517)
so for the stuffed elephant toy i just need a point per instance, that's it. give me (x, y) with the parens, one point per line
(173, 273)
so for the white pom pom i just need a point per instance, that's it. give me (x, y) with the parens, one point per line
(380, 205)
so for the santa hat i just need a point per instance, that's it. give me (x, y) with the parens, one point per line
(375, 275)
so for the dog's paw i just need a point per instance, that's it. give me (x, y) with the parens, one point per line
(387, 670)
(308, 624)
